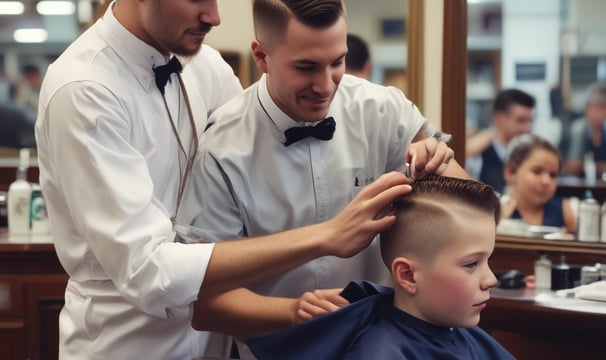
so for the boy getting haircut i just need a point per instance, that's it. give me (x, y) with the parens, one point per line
(438, 253)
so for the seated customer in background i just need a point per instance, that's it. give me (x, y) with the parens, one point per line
(587, 134)
(439, 265)
(357, 59)
(531, 171)
(512, 113)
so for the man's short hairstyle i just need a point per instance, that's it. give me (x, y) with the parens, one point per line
(506, 98)
(30, 69)
(430, 215)
(272, 16)
(357, 53)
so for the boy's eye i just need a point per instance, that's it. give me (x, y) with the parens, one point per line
(471, 265)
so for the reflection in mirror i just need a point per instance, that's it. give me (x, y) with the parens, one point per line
(554, 51)
(383, 27)
(551, 49)
(22, 65)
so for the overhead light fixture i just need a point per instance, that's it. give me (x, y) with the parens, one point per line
(30, 35)
(11, 8)
(55, 8)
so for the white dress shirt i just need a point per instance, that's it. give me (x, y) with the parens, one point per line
(245, 182)
(109, 172)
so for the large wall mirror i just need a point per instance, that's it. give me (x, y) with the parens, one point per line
(552, 49)
(384, 25)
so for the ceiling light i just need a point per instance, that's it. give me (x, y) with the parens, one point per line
(11, 8)
(56, 7)
(30, 35)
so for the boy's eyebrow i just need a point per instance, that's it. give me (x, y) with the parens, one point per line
(479, 253)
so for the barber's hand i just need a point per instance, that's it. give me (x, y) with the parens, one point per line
(428, 156)
(319, 302)
(355, 226)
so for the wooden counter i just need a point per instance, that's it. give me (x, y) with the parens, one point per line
(32, 287)
(531, 330)
(520, 253)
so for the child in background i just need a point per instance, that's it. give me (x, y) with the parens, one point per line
(531, 169)
(438, 257)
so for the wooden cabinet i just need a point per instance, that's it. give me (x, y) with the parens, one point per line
(32, 286)
(530, 330)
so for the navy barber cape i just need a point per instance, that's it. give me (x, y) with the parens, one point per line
(327, 336)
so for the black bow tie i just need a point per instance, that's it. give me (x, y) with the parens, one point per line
(163, 72)
(323, 131)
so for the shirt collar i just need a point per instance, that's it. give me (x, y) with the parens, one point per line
(140, 56)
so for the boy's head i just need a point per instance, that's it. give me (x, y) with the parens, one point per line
(512, 113)
(438, 250)
(531, 168)
(301, 46)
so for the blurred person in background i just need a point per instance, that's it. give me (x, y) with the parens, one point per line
(512, 113)
(26, 92)
(531, 169)
(357, 60)
(587, 133)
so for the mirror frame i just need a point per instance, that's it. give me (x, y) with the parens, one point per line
(454, 74)
(454, 66)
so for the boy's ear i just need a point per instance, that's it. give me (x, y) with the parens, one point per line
(260, 55)
(403, 270)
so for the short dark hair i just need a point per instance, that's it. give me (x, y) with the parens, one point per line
(426, 216)
(506, 98)
(30, 69)
(357, 53)
(314, 13)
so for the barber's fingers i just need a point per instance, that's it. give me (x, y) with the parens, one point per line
(315, 303)
(429, 156)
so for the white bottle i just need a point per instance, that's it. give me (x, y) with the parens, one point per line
(38, 219)
(19, 197)
(589, 219)
(603, 223)
(542, 272)
(589, 168)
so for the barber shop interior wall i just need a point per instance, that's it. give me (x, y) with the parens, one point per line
(531, 49)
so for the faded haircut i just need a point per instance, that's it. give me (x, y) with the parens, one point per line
(271, 17)
(428, 218)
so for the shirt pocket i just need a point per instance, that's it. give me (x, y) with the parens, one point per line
(360, 177)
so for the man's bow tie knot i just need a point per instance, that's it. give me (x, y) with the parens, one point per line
(323, 131)
(163, 72)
